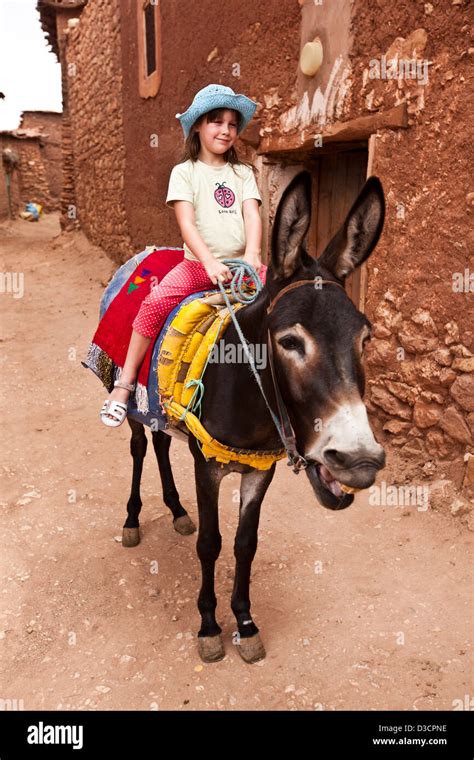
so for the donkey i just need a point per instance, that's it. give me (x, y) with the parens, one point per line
(315, 339)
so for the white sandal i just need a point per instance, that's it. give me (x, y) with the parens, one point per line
(117, 409)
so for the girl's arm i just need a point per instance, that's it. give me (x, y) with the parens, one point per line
(253, 232)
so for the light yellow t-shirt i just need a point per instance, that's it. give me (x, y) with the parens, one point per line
(217, 194)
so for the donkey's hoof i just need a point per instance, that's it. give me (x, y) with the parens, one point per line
(184, 525)
(251, 650)
(130, 537)
(211, 648)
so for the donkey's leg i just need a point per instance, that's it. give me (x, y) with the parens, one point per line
(253, 488)
(138, 444)
(181, 520)
(208, 479)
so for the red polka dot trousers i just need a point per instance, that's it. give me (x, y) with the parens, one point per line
(185, 278)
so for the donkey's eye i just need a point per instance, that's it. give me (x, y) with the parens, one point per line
(364, 342)
(289, 343)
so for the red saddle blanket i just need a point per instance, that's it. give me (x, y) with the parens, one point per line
(109, 346)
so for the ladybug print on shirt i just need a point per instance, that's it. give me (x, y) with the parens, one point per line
(225, 197)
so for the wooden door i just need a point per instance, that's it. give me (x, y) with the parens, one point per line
(338, 177)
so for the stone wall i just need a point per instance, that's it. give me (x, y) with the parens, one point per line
(94, 134)
(420, 290)
(113, 175)
(33, 178)
(420, 363)
(30, 182)
(12, 144)
(50, 124)
(251, 48)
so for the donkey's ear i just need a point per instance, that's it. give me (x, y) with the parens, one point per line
(292, 221)
(359, 234)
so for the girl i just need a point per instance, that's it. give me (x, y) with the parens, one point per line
(216, 202)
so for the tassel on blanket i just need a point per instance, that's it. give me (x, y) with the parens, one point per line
(101, 364)
(141, 399)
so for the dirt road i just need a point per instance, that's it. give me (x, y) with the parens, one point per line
(364, 609)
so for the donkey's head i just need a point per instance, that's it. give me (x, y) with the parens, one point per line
(318, 339)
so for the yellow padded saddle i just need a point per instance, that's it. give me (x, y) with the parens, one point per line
(184, 351)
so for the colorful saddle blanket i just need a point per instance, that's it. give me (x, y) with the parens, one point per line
(120, 304)
(168, 382)
(183, 357)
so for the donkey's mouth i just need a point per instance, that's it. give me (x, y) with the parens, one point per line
(332, 484)
(330, 492)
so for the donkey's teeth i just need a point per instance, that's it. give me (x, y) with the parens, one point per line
(349, 489)
(334, 485)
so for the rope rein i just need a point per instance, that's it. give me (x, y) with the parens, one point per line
(243, 293)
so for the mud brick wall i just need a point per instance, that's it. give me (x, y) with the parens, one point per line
(33, 179)
(50, 124)
(95, 123)
(12, 144)
(117, 181)
(200, 44)
(421, 361)
(29, 182)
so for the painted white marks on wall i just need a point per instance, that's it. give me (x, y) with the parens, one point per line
(325, 106)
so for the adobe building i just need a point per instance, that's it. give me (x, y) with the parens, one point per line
(48, 123)
(343, 90)
(31, 156)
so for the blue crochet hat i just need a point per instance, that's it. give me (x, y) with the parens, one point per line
(217, 96)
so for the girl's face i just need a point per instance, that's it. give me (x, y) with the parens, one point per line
(219, 135)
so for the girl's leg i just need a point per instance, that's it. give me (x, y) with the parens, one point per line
(185, 278)
(137, 349)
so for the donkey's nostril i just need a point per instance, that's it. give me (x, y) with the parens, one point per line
(358, 459)
(338, 458)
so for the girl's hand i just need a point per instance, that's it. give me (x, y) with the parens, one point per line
(254, 260)
(217, 272)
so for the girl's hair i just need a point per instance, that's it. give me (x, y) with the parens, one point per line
(192, 144)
